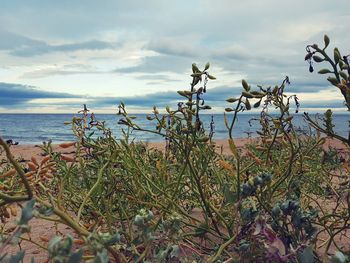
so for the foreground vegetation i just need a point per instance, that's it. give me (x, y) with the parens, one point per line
(281, 199)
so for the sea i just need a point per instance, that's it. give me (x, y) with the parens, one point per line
(39, 128)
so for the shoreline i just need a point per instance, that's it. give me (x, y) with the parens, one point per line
(26, 151)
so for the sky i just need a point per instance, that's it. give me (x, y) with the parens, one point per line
(57, 55)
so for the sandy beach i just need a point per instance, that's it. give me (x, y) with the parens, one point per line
(25, 152)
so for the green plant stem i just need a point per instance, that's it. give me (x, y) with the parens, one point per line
(221, 249)
(18, 169)
(99, 178)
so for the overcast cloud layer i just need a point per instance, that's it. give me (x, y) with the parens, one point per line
(57, 55)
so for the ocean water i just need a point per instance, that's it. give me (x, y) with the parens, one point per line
(36, 128)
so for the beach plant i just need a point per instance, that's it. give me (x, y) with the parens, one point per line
(126, 201)
(338, 76)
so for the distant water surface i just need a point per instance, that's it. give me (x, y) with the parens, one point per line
(36, 128)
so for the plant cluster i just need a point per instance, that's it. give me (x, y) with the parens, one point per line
(277, 200)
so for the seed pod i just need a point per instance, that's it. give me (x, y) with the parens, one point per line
(260, 148)
(13, 210)
(203, 139)
(211, 77)
(67, 158)
(66, 144)
(326, 41)
(32, 166)
(34, 160)
(78, 241)
(8, 173)
(324, 71)
(45, 160)
(43, 171)
(50, 165)
(44, 238)
(5, 213)
(48, 175)
(30, 174)
(30, 178)
(225, 165)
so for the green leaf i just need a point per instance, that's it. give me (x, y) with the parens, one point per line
(195, 69)
(53, 243)
(247, 95)
(317, 59)
(343, 75)
(230, 196)
(231, 100)
(112, 240)
(207, 66)
(339, 257)
(27, 212)
(101, 257)
(211, 77)
(201, 230)
(196, 74)
(247, 105)
(307, 256)
(245, 85)
(17, 258)
(257, 104)
(337, 55)
(175, 251)
(75, 257)
(333, 80)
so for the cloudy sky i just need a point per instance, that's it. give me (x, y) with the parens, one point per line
(57, 55)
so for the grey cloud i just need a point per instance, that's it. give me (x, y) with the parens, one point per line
(17, 94)
(22, 46)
